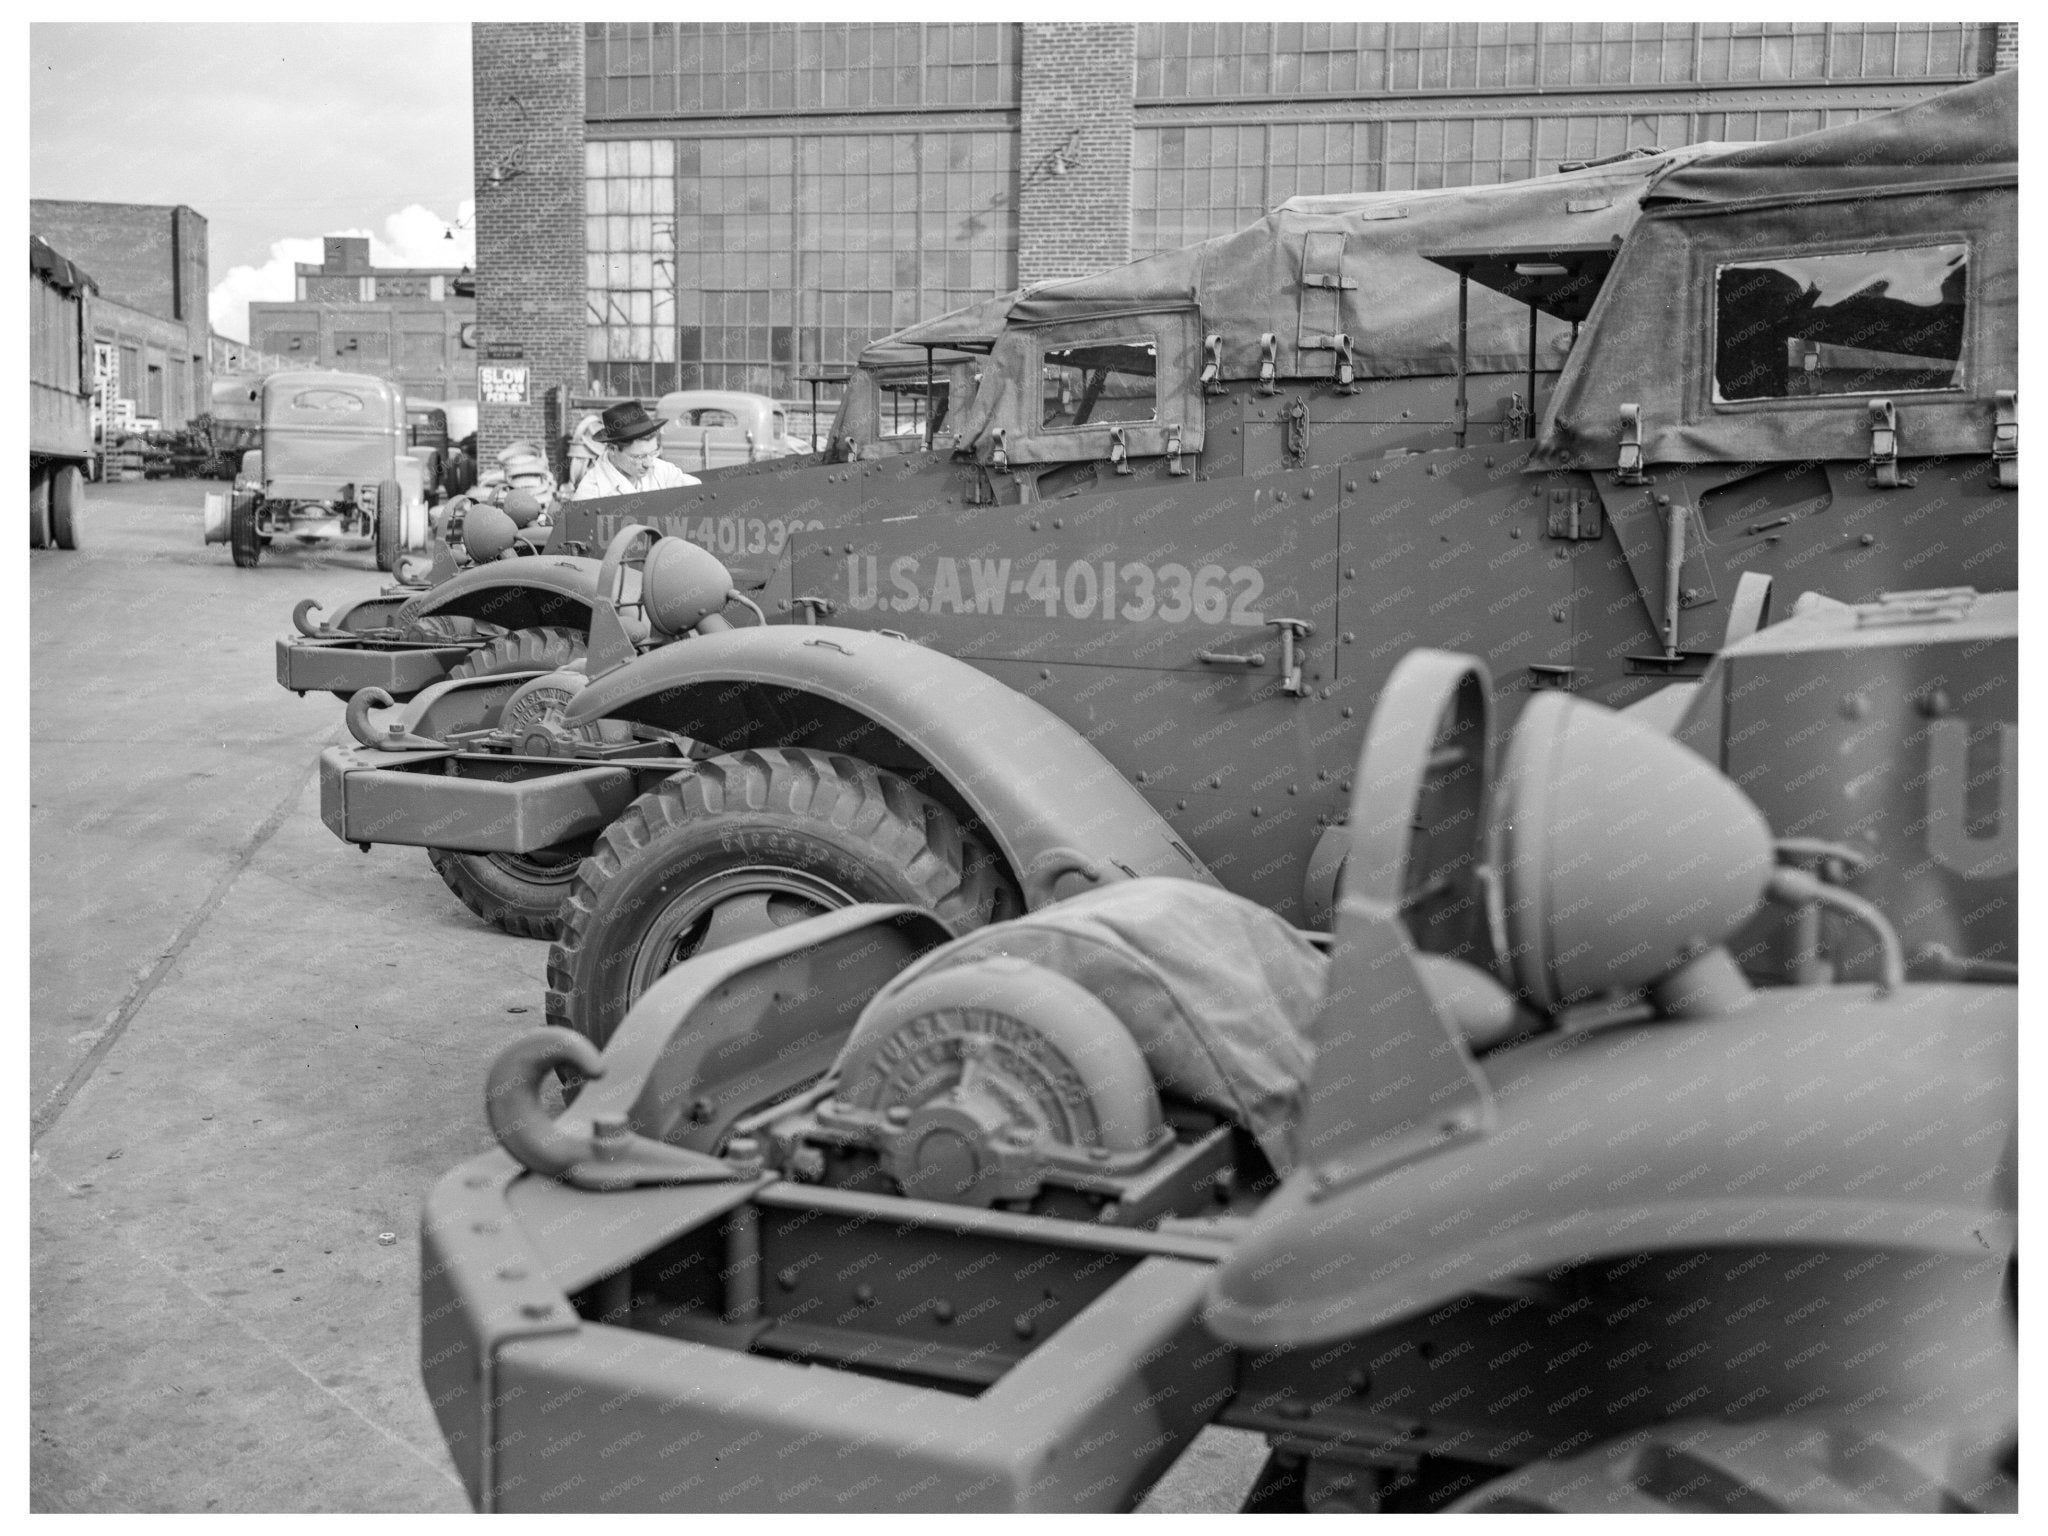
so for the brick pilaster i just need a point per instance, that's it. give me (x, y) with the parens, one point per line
(529, 217)
(1078, 80)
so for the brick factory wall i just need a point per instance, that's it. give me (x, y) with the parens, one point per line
(1077, 85)
(529, 218)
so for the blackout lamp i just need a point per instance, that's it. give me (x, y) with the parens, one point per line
(1624, 862)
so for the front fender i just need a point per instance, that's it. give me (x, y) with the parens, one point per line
(1063, 815)
(1817, 1117)
(526, 592)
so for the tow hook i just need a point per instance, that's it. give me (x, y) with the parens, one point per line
(610, 1154)
(304, 626)
(393, 737)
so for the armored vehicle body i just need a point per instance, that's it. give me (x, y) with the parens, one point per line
(1551, 1210)
(1131, 621)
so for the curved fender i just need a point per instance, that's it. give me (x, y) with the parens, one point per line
(1063, 815)
(523, 593)
(1789, 1122)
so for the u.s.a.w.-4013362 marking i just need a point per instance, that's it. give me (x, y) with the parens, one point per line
(1109, 590)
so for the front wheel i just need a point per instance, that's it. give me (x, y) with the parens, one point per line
(519, 892)
(244, 543)
(390, 522)
(38, 507)
(741, 845)
(67, 501)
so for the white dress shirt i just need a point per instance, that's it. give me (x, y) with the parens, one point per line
(604, 478)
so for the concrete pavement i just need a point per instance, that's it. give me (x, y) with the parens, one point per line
(252, 1051)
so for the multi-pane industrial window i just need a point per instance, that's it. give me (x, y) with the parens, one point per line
(1195, 182)
(783, 252)
(1191, 183)
(629, 206)
(663, 68)
(1180, 61)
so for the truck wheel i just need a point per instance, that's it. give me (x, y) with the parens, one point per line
(521, 893)
(67, 500)
(745, 843)
(38, 507)
(244, 543)
(390, 518)
(1798, 1464)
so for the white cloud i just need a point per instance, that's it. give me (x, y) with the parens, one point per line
(415, 236)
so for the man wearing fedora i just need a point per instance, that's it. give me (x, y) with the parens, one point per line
(632, 456)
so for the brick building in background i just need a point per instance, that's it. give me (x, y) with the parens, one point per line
(666, 205)
(149, 317)
(413, 325)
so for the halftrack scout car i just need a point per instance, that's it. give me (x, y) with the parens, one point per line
(1525, 1197)
(334, 464)
(1129, 612)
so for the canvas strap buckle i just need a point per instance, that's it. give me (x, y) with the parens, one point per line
(1628, 464)
(1884, 445)
(2005, 439)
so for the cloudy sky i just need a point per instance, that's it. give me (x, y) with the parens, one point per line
(277, 134)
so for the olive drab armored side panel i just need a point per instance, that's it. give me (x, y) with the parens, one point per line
(1884, 737)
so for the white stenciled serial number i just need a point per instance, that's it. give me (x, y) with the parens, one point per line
(724, 536)
(1081, 589)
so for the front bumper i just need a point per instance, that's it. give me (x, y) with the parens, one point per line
(545, 1410)
(474, 802)
(400, 668)
(723, 1347)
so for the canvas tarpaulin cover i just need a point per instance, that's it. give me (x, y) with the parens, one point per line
(1215, 990)
(1934, 182)
(1399, 309)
